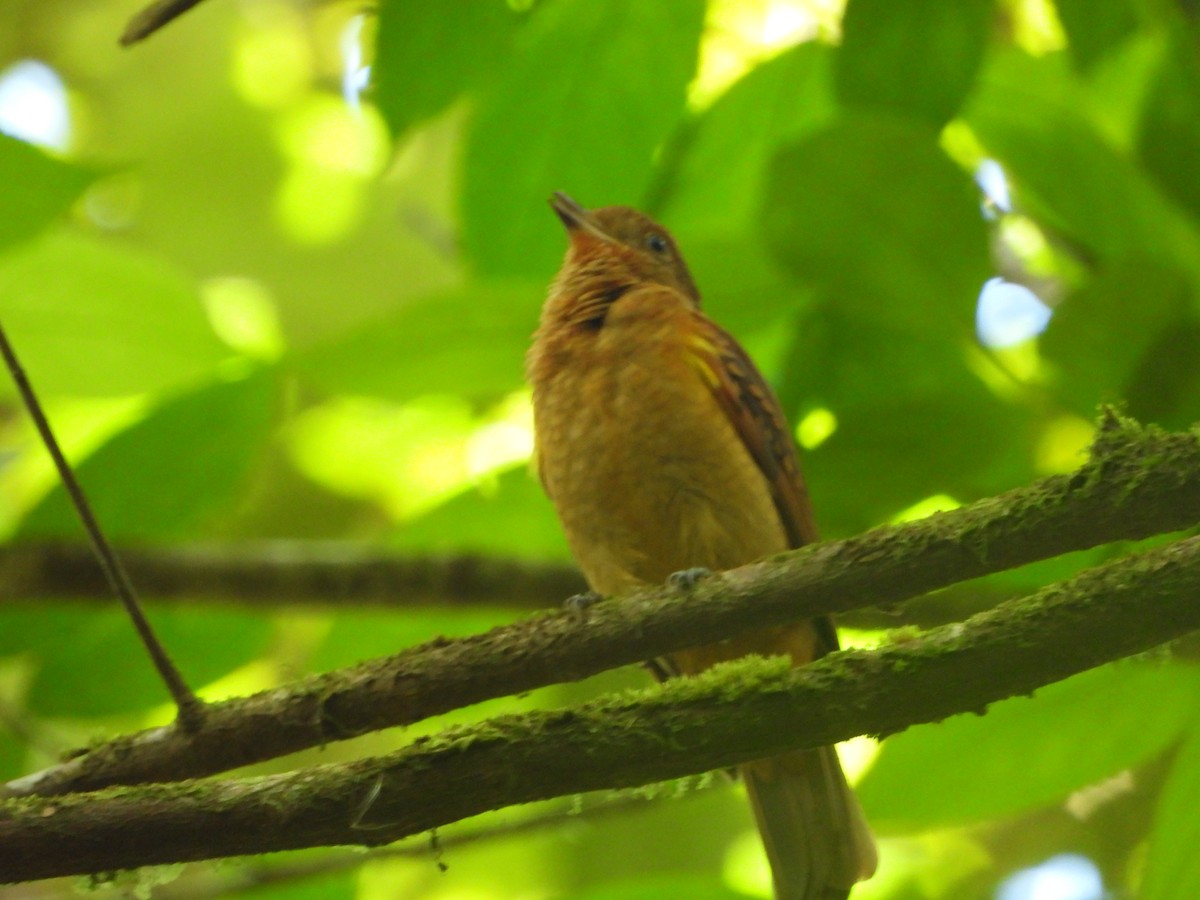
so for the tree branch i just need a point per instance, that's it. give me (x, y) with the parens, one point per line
(1138, 482)
(331, 574)
(738, 712)
(336, 575)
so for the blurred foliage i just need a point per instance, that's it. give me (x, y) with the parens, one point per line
(260, 305)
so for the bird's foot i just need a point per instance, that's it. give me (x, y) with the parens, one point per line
(686, 579)
(578, 604)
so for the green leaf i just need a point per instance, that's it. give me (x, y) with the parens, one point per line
(871, 208)
(1103, 331)
(1027, 112)
(90, 662)
(889, 389)
(162, 478)
(1035, 575)
(1172, 866)
(717, 188)
(742, 285)
(359, 635)
(592, 93)
(919, 57)
(35, 189)
(35, 627)
(89, 317)
(1093, 29)
(1169, 142)
(12, 754)
(428, 54)
(470, 342)
(1029, 752)
(1165, 388)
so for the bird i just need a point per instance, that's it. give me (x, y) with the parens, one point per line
(665, 452)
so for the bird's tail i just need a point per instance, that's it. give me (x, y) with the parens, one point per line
(814, 830)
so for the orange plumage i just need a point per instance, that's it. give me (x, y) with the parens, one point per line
(663, 449)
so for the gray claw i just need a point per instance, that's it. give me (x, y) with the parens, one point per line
(686, 579)
(578, 604)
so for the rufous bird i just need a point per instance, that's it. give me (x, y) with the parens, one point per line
(663, 450)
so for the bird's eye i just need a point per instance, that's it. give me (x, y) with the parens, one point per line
(656, 242)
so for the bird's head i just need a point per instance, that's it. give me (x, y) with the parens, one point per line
(617, 248)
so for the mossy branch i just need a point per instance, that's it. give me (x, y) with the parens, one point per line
(738, 712)
(1137, 482)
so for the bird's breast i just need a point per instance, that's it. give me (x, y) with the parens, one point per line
(648, 475)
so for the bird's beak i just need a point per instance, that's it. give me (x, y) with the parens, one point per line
(579, 223)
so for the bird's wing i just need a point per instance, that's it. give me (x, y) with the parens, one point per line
(754, 413)
(752, 409)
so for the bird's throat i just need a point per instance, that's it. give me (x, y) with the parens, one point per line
(591, 309)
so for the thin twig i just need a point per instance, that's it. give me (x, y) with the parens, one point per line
(152, 18)
(189, 706)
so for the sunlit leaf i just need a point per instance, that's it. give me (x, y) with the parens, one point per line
(470, 342)
(403, 458)
(1172, 865)
(595, 89)
(35, 189)
(165, 476)
(1029, 752)
(509, 516)
(918, 57)
(93, 317)
(873, 205)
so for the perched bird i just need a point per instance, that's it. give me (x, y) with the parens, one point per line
(663, 449)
